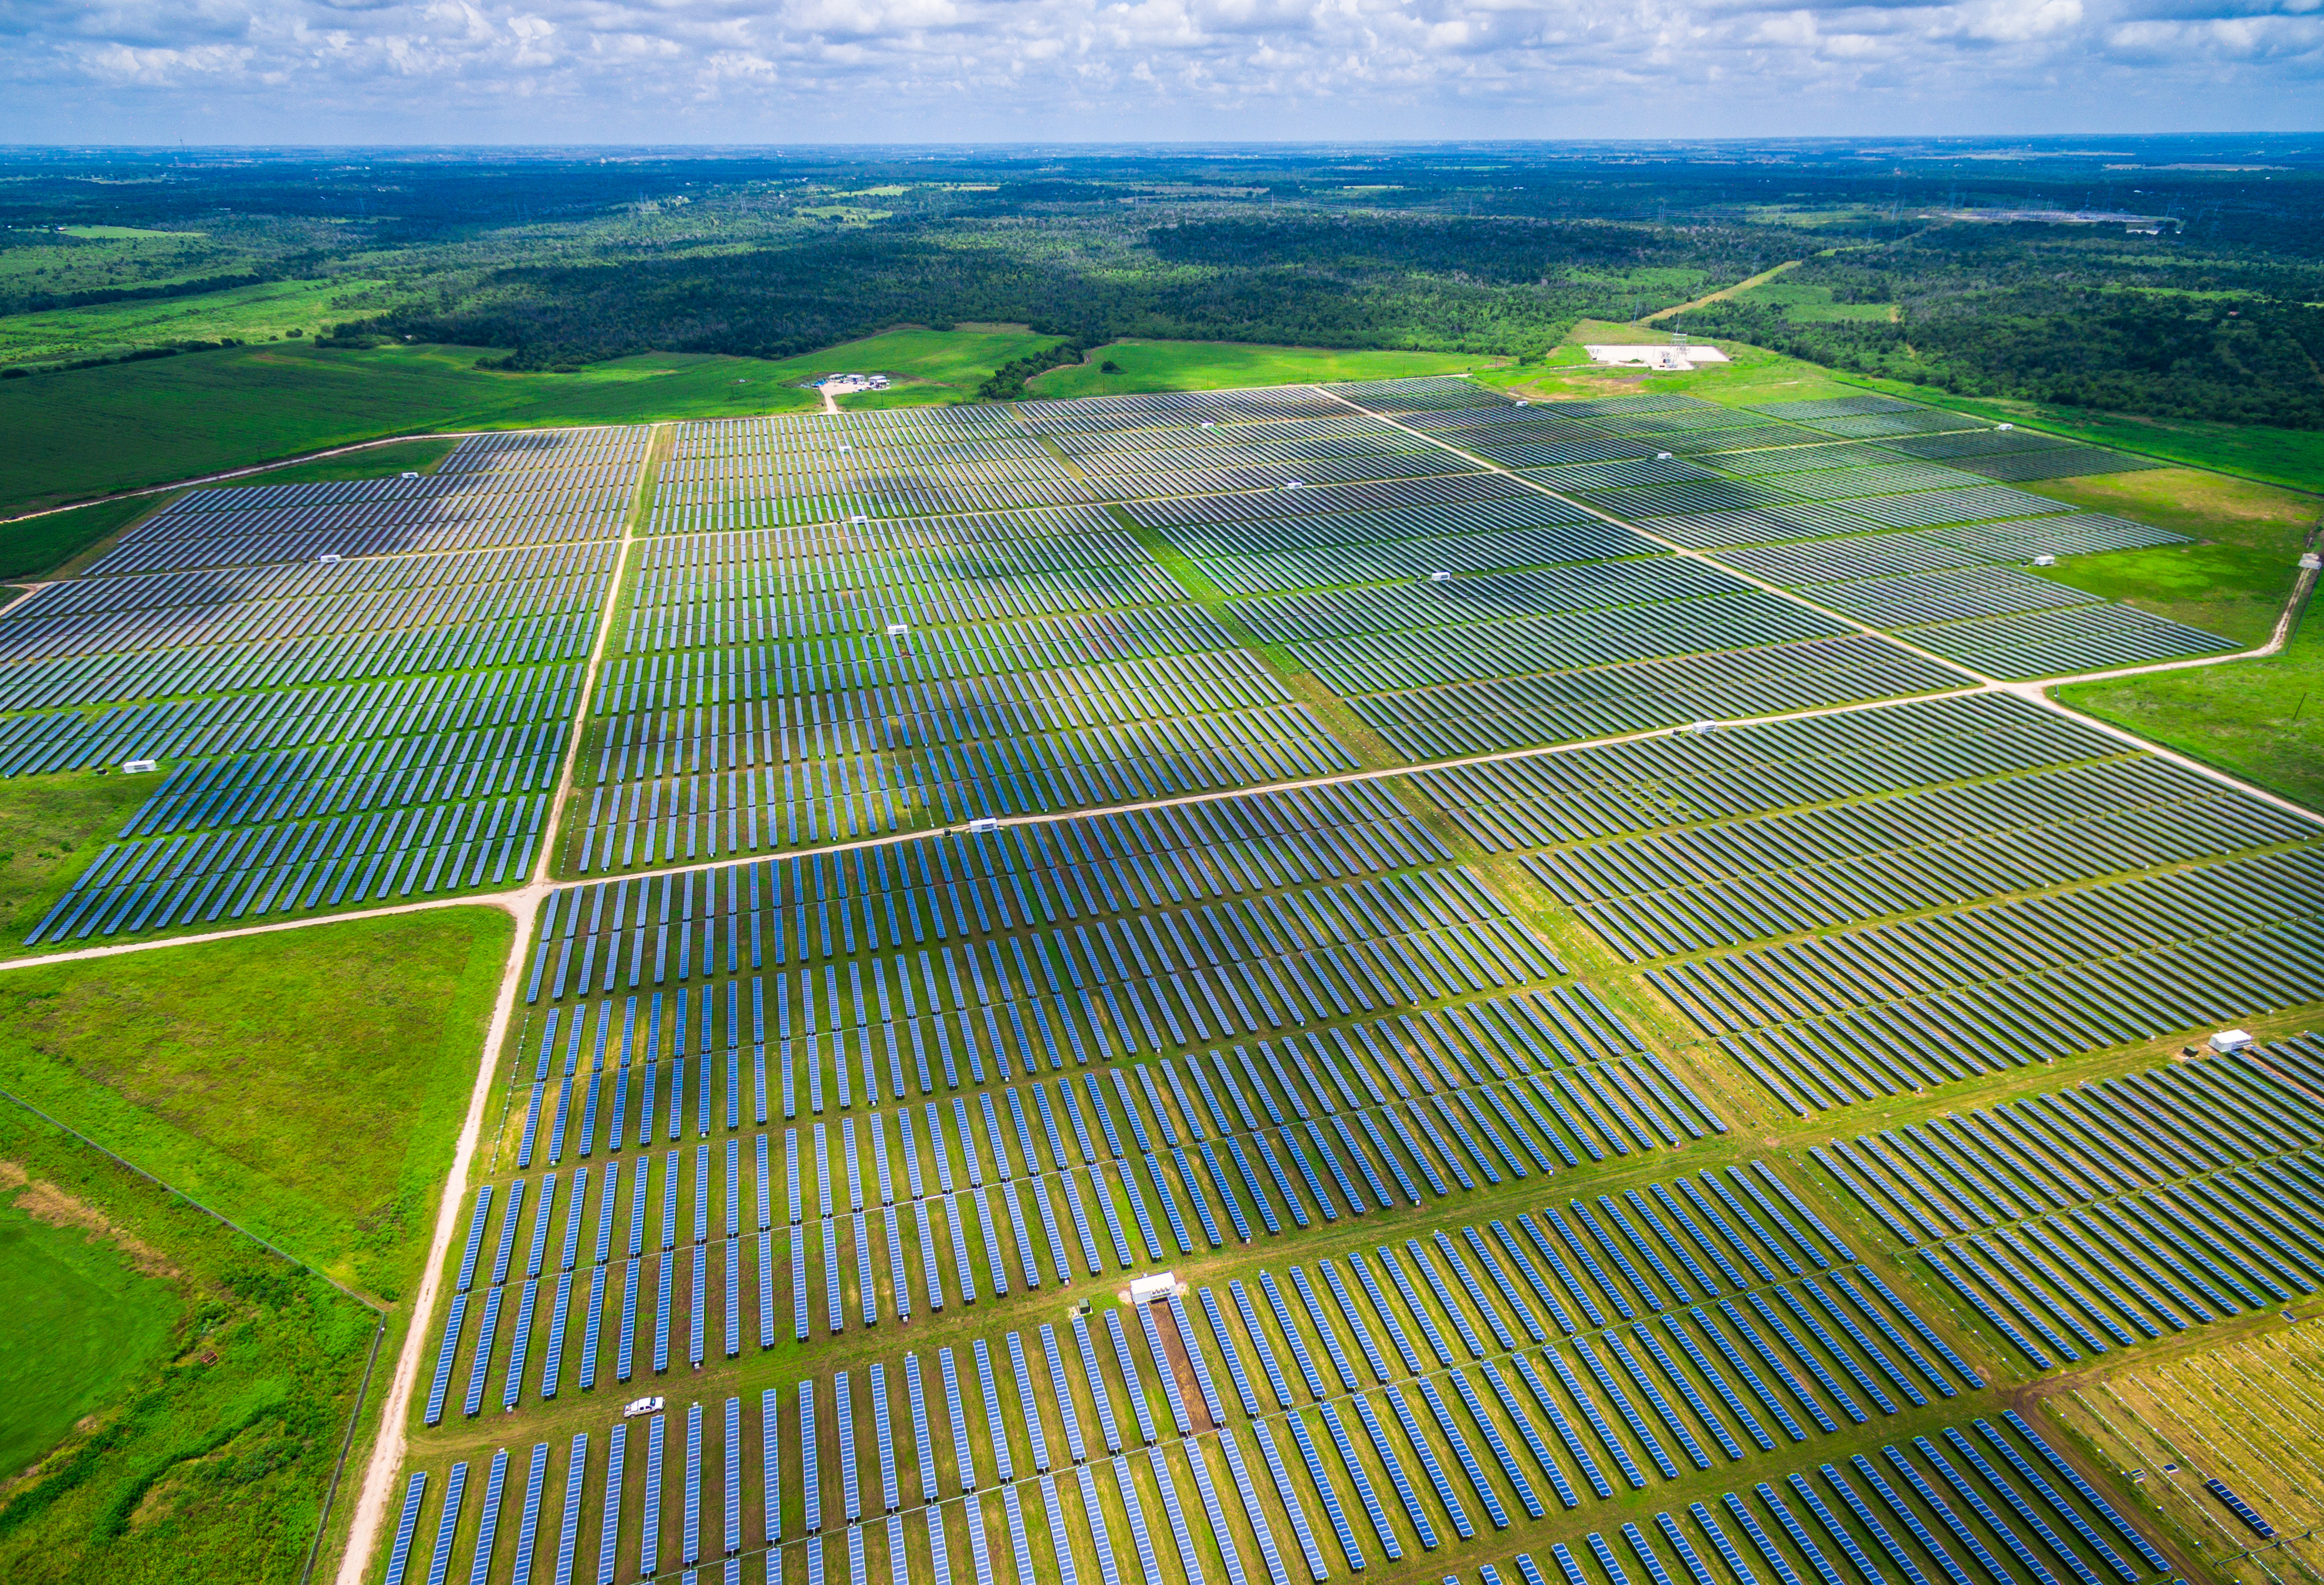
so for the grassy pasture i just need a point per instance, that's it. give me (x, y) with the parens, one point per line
(927, 367)
(2262, 720)
(419, 456)
(263, 312)
(308, 1083)
(2253, 718)
(2230, 590)
(1205, 365)
(2198, 503)
(51, 828)
(206, 412)
(98, 1320)
(44, 546)
(178, 1396)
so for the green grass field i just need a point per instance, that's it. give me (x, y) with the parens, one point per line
(1200, 365)
(44, 547)
(1811, 302)
(1752, 374)
(927, 366)
(2192, 501)
(309, 1083)
(199, 1411)
(2230, 590)
(208, 411)
(2262, 720)
(419, 456)
(248, 313)
(51, 827)
(92, 1319)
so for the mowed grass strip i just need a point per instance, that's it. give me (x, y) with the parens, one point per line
(307, 1084)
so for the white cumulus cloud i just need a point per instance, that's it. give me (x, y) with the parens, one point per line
(863, 71)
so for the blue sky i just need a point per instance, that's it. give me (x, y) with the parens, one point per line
(435, 71)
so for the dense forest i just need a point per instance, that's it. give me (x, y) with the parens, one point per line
(2183, 284)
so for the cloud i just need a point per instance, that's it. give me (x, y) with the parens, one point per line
(733, 70)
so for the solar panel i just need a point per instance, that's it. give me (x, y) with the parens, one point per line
(1365, 1495)
(2024, 1510)
(1718, 1383)
(1218, 1322)
(1563, 1427)
(1937, 1504)
(540, 1219)
(900, 1566)
(529, 1523)
(1258, 1335)
(482, 1363)
(1064, 1394)
(810, 1460)
(1170, 1393)
(843, 1417)
(1014, 1511)
(691, 1516)
(507, 1246)
(441, 1382)
(835, 1301)
(770, 1467)
(1414, 1305)
(569, 1532)
(996, 1419)
(1426, 1452)
(1871, 1522)
(1028, 1401)
(939, 1556)
(801, 1327)
(2073, 1478)
(1774, 1559)
(1197, 1360)
(1132, 1384)
(1095, 1376)
(1253, 1511)
(890, 1491)
(1646, 1389)
(1801, 1539)
(512, 1387)
(1140, 1539)
(1496, 1445)
(1060, 1549)
(1325, 1493)
(664, 1283)
(609, 1529)
(1613, 1444)
(964, 1454)
(399, 1555)
(477, 1220)
(1387, 1315)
